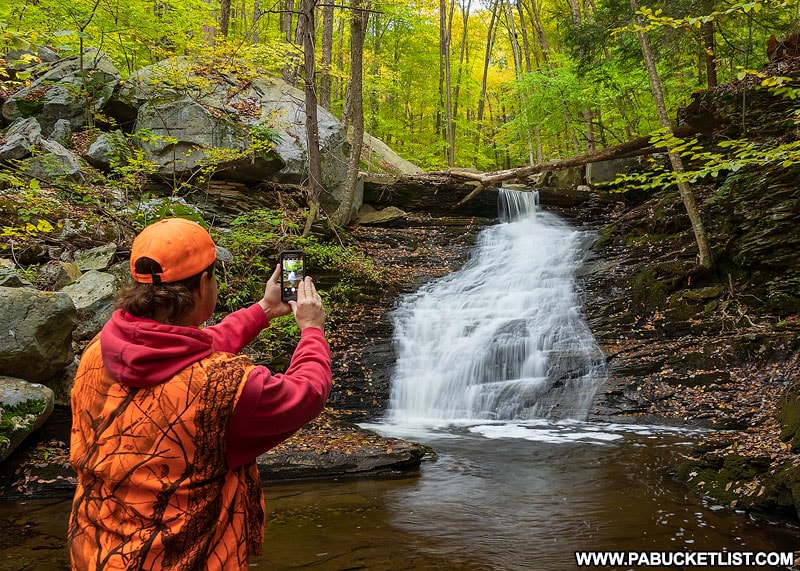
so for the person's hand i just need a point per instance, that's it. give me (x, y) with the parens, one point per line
(308, 310)
(271, 303)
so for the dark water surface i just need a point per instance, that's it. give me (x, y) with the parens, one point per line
(499, 497)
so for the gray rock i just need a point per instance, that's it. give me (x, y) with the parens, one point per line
(99, 258)
(35, 332)
(104, 148)
(21, 138)
(55, 274)
(192, 125)
(61, 383)
(53, 163)
(9, 276)
(74, 230)
(93, 295)
(388, 214)
(24, 407)
(607, 171)
(62, 133)
(380, 151)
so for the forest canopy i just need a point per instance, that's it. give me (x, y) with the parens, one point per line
(486, 84)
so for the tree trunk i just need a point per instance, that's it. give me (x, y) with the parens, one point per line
(209, 32)
(224, 17)
(519, 71)
(287, 20)
(358, 27)
(487, 58)
(709, 46)
(526, 48)
(305, 25)
(445, 115)
(462, 59)
(327, 56)
(255, 37)
(704, 251)
(537, 19)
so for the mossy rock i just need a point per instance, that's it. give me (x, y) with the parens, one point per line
(788, 415)
(648, 291)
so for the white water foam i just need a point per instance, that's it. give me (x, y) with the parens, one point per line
(504, 338)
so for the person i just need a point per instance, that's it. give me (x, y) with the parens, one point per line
(168, 419)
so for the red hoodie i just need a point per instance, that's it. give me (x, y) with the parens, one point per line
(143, 353)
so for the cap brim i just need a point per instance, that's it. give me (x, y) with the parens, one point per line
(223, 254)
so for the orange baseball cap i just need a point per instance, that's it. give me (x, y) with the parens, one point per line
(181, 247)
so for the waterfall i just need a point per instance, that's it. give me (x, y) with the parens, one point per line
(503, 338)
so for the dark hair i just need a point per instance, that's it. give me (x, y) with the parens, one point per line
(147, 300)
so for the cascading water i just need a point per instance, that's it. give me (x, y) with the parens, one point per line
(504, 338)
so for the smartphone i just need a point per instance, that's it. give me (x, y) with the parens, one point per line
(293, 270)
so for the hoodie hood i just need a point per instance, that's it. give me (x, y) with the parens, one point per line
(142, 352)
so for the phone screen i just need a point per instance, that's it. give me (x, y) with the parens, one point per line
(292, 273)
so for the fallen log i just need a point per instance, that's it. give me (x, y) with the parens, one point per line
(635, 147)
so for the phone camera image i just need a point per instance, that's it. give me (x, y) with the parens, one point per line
(292, 273)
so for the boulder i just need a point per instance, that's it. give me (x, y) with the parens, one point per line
(62, 133)
(243, 129)
(104, 148)
(383, 158)
(36, 326)
(607, 171)
(53, 163)
(21, 138)
(93, 295)
(376, 217)
(24, 407)
(55, 274)
(99, 258)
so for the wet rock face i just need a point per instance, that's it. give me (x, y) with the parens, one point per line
(789, 415)
(757, 214)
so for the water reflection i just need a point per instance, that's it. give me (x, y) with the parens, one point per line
(514, 501)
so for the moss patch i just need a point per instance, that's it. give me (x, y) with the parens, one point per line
(22, 410)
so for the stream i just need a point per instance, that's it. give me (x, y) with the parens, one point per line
(499, 497)
(495, 371)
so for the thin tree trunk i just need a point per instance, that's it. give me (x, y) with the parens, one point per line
(209, 32)
(358, 25)
(518, 71)
(445, 113)
(709, 46)
(372, 96)
(224, 17)
(327, 56)
(487, 58)
(537, 20)
(287, 26)
(255, 37)
(526, 48)
(463, 56)
(687, 195)
(305, 25)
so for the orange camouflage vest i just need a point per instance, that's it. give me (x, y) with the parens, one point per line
(154, 490)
